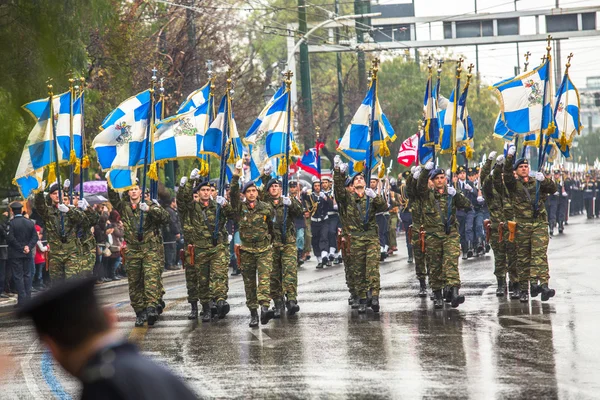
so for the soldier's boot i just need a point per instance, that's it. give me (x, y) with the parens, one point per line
(194, 312)
(222, 308)
(355, 302)
(438, 301)
(382, 256)
(547, 293)
(516, 292)
(140, 318)
(292, 307)
(160, 307)
(447, 294)
(410, 254)
(253, 318)
(338, 260)
(369, 298)
(362, 306)
(561, 227)
(265, 315)
(206, 312)
(535, 289)
(350, 299)
(469, 250)
(375, 304)
(422, 288)
(457, 299)
(277, 308)
(152, 315)
(524, 296)
(214, 311)
(500, 289)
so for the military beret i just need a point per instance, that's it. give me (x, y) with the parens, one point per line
(201, 185)
(460, 169)
(406, 174)
(436, 172)
(15, 205)
(248, 185)
(53, 188)
(520, 161)
(272, 181)
(348, 181)
(355, 175)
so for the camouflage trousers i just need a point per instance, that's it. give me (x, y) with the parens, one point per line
(511, 256)
(392, 230)
(255, 264)
(349, 269)
(365, 254)
(207, 279)
(532, 241)
(499, 248)
(419, 257)
(144, 268)
(284, 274)
(64, 263)
(442, 252)
(88, 256)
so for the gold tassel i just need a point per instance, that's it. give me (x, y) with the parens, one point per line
(295, 150)
(359, 166)
(384, 150)
(153, 172)
(381, 172)
(563, 142)
(77, 167)
(85, 163)
(282, 170)
(51, 173)
(454, 163)
(162, 163)
(551, 128)
(203, 168)
(72, 157)
(469, 152)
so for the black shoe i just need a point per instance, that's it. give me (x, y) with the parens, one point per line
(236, 271)
(438, 301)
(524, 298)
(116, 278)
(534, 289)
(375, 304)
(422, 288)
(500, 289)
(329, 263)
(551, 232)
(222, 308)
(265, 315)
(469, 250)
(547, 293)
(152, 315)
(487, 248)
(331, 257)
(319, 265)
(277, 308)
(362, 306)
(292, 307)
(140, 318)
(355, 302)
(194, 312)
(464, 255)
(516, 292)
(338, 260)
(253, 318)
(382, 256)
(159, 309)
(206, 312)
(457, 299)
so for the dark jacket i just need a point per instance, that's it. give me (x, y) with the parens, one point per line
(3, 233)
(21, 233)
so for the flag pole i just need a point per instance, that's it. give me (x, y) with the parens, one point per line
(211, 106)
(438, 86)
(527, 55)
(317, 148)
(454, 117)
(82, 146)
(72, 158)
(55, 147)
(288, 135)
(148, 144)
(369, 157)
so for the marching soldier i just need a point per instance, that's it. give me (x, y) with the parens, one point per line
(333, 221)
(551, 205)
(563, 201)
(363, 236)
(531, 225)
(415, 232)
(395, 202)
(144, 254)
(382, 223)
(349, 269)
(320, 204)
(464, 216)
(442, 249)
(588, 188)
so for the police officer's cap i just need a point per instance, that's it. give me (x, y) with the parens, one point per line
(471, 171)
(436, 172)
(460, 169)
(521, 161)
(406, 174)
(293, 184)
(557, 171)
(272, 181)
(53, 188)
(15, 206)
(247, 186)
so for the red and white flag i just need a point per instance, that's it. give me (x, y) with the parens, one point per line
(407, 155)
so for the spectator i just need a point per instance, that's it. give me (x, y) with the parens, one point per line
(115, 220)
(21, 239)
(171, 235)
(3, 254)
(39, 260)
(111, 254)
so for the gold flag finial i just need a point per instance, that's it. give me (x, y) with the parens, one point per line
(288, 78)
(568, 63)
(375, 67)
(459, 67)
(317, 132)
(527, 55)
(470, 68)
(229, 73)
(548, 47)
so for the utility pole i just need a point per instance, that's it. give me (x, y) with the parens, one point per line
(339, 76)
(306, 102)
(362, 69)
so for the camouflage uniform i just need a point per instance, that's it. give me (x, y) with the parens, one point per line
(65, 260)
(189, 234)
(416, 212)
(493, 199)
(394, 204)
(144, 260)
(88, 241)
(364, 243)
(531, 238)
(256, 250)
(442, 249)
(349, 268)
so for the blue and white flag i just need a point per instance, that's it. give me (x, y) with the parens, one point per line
(210, 143)
(464, 125)
(258, 122)
(122, 179)
(430, 116)
(122, 142)
(501, 131)
(567, 116)
(522, 101)
(195, 99)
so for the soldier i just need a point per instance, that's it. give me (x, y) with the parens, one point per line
(144, 254)
(382, 219)
(531, 225)
(563, 201)
(402, 201)
(207, 255)
(588, 187)
(362, 235)
(394, 199)
(333, 221)
(284, 273)
(465, 229)
(320, 204)
(255, 220)
(349, 269)
(552, 205)
(481, 214)
(300, 222)
(442, 240)
(61, 224)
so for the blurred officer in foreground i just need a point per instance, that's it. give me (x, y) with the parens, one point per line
(84, 341)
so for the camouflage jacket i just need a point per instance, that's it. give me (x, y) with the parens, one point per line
(414, 201)
(294, 211)
(201, 218)
(255, 222)
(353, 208)
(523, 194)
(154, 219)
(88, 240)
(58, 237)
(434, 206)
(491, 195)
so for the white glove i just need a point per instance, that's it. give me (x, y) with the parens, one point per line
(183, 181)
(532, 173)
(480, 199)
(304, 189)
(343, 167)
(322, 195)
(492, 155)
(556, 193)
(429, 166)
(468, 187)
(500, 159)
(451, 190)
(156, 202)
(335, 207)
(413, 168)
(66, 184)
(268, 169)
(539, 176)
(393, 182)
(417, 172)
(63, 208)
(83, 204)
(370, 192)
(229, 238)
(144, 207)
(512, 150)
(239, 164)
(565, 194)
(286, 201)
(221, 200)
(195, 174)
(337, 161)
(43, 185)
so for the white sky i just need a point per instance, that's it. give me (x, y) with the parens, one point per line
(498, 61)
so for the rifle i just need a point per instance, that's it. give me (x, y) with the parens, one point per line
(512, 230)
(487, 224)
(192, 254)
(422, 238)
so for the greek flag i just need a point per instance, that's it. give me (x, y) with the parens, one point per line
(568, 119)
(430, 116)
(523, 98)
(501, 131)
(122, 142)
(122, 179)
(463, 132)
(210, 141)
(195, 99)
(258, 122)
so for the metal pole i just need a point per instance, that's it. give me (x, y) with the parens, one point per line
(55, 146)
(369, 156)
(305, 73)
(288, 135)
(362, 69)
(81, 99)
(148, 144)
(339, 76)
(71, 148)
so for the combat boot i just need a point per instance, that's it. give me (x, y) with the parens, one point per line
(222, 308)
(194, 312)
(524, 297)
(152, 315)
(422, 288)
(457, 299)
(516, 292)
(253, 318)
(375, 304)
(213, 309)
(206, 312)
(355, 302)
(438, 301)
(547, 293)
(362, 306)
(160, 307)
(500, 289)
(487, 248)
(265, 315)
(277, 308)
(140, 318)
(534, 289)
(292, 307)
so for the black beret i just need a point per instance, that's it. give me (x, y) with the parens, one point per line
(248, 185)
(436, 172)
(355, 175)
(406, 174)
(293, 184)
(519, 162)
(272, 181)
(201, 185)
(348, 182)
(53, 188)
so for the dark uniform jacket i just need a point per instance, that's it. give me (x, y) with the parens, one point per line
(21, 233)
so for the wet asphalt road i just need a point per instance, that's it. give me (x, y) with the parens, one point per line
(487, 348)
